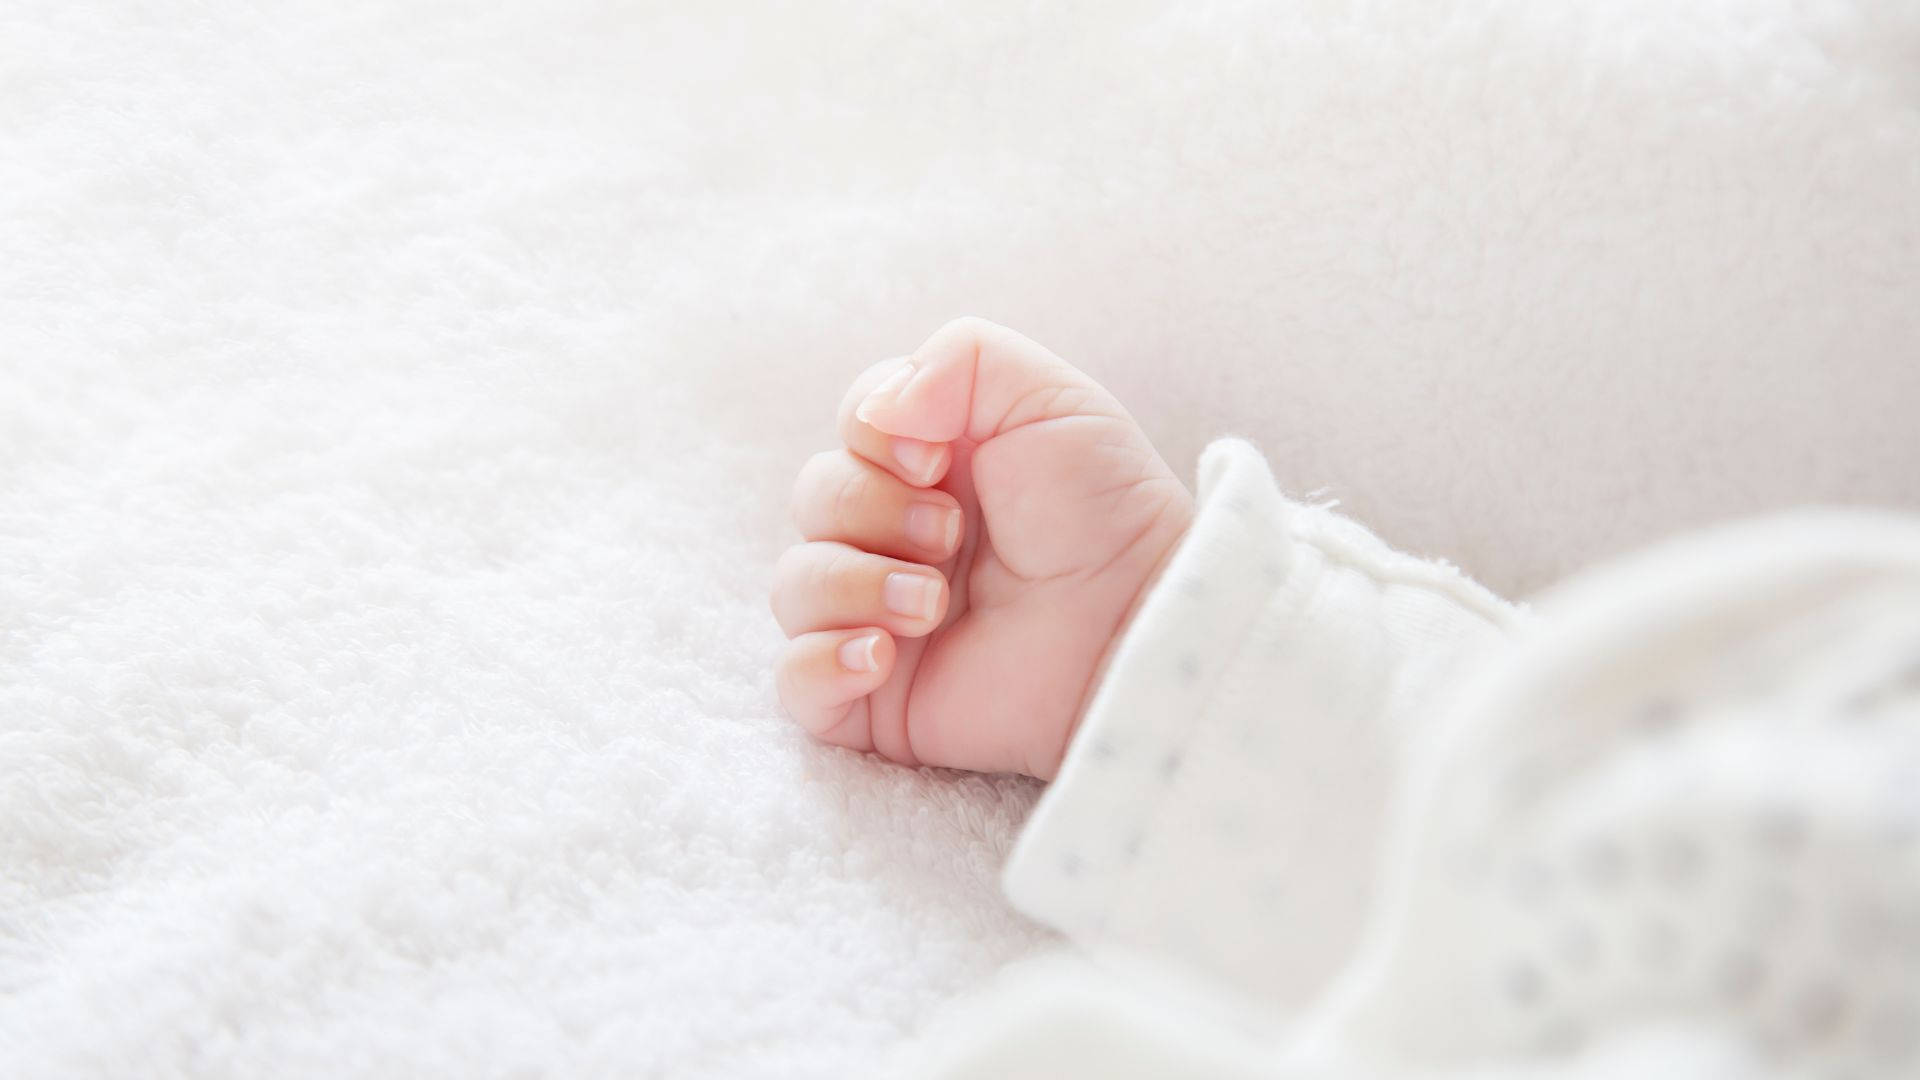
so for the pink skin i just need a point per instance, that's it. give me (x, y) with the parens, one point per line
(971, 556)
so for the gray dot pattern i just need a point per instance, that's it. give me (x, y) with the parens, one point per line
(1729, 843)
(1753, 904)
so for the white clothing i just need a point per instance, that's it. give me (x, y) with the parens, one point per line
(1335, 810)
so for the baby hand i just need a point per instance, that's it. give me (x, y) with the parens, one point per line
(970, 555)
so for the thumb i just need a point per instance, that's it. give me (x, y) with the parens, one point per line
(978, 379)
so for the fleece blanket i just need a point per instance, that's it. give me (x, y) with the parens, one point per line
(398, 402)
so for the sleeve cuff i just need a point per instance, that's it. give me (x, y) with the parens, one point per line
(1222, 802)
(1087, 830)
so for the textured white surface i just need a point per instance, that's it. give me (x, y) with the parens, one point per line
(398, 405)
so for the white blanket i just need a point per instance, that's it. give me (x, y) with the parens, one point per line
(397, 404)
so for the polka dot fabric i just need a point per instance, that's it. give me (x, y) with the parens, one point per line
(1234, 768)
(1693, 800)
(1425, 833)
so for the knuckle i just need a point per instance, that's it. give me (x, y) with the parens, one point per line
(850, 497)
(814, 580)
(968, 326)
(843, 416)
(785, 571)
(821, 463)
(787, 566)
(785, 671)
(807, 485)
(833, 574)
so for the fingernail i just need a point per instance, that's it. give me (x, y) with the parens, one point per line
(857, 654)
(920, 459)
(914, 595)
(883, 393)
(933, 526)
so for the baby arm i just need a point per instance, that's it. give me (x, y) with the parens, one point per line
(1224, 800)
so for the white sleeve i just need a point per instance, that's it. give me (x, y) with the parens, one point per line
(1221, 807)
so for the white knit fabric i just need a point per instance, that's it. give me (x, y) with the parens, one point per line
(1352, 815)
